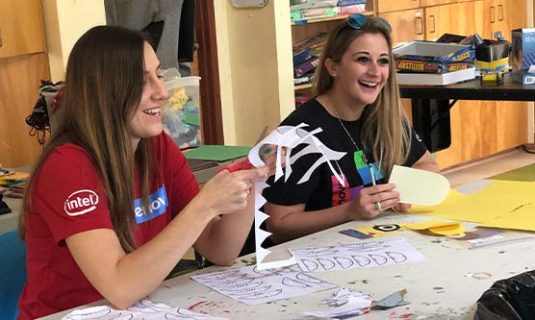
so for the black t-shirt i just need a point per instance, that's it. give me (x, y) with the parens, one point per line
(322, 190)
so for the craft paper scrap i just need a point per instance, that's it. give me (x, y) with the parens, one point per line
(343, 296)
(379, 230)
(498, 198)
(416, 186)
(344, 303)
(252, 286)
(441, 228)
(144, 309)
(286, 137)
(435, 227)
(393, 300)
(357, 255)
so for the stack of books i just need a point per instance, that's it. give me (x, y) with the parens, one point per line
(306, 56)
(432, 63)
(304, 10)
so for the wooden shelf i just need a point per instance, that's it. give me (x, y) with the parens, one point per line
(303, 86)
(309, 21)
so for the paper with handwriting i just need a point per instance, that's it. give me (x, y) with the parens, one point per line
(356, 255)
(252, 286)
(143, 310)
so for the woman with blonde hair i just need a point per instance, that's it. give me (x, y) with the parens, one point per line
(112, 205)
(357, 104)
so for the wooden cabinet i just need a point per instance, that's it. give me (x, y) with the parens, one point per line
(429, 3)
(516, 15)
(389, 5)
(407, 25)
(497, 18)
(21, 28)
(457, 18)
(23, 63)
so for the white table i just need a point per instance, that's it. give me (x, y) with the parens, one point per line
(438, 288)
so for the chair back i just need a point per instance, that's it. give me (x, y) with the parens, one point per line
(12, 273)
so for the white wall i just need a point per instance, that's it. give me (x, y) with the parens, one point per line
(255, 66)
(65, 22)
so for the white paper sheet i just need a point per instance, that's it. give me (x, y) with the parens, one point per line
(144, 309)
(287, 137)
(419, 187)
(356, 255)
(252, 286)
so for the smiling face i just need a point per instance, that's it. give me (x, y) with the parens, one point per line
(146, 121)
(363, 70)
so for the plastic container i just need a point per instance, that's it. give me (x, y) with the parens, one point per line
(181, 115)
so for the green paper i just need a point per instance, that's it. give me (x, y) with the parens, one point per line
(192, 118)
(217, 152)
(526, 173)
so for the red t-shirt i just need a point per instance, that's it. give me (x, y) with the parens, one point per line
(69, 198)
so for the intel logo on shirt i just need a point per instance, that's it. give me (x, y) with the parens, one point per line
(158, 203)
(80, 202)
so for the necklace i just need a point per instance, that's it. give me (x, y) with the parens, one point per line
(358, 152)
(368, 173)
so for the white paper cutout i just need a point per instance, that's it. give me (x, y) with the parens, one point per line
(357, 255)
(144, 309)
(252, 286)
(344, 303)
(288, 137)
(419, 187)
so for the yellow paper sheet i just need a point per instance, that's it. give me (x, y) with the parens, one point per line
(522, 218)
(498, 198)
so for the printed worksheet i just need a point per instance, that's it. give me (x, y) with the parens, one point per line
(356, 255)
(252, 286)
(143, 310)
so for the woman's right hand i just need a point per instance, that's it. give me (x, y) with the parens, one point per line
(365, 206)
(228, 192)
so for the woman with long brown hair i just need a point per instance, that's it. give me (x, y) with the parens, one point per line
(357, 105)
(112, 205)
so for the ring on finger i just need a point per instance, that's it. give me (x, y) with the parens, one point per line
(378, 206)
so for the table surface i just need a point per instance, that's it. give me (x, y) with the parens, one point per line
(438, 288)
(472, 90)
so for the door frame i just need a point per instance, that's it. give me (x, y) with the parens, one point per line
(211, 115)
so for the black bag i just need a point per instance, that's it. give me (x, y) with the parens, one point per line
(509, 299)
(39, 120)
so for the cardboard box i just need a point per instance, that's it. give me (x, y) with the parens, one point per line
(523, 55)
(433, 57)
(434, 52)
